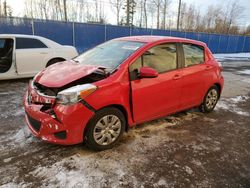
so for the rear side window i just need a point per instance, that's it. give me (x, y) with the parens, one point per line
(193, 54)
(27, 43)
(161, 58)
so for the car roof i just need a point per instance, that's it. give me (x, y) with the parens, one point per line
(151, 39)
(45, 40)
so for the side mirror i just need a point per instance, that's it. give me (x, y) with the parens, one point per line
(147, 72)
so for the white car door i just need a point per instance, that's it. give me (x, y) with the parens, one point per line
(32, 55)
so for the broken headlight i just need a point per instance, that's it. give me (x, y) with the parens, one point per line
(74, 94)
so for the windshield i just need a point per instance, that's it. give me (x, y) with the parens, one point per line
(110, 54)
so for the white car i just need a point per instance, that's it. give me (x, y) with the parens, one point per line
(25, 55)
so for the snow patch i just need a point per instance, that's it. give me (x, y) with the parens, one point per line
(233, 56)
(82, 171)
(188, 170)
(231, 105)
(22, 135)
(245, 71)
(7, 160)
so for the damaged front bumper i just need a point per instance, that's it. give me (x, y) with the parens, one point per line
(55, 123)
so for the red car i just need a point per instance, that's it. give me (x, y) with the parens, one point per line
(118, 84)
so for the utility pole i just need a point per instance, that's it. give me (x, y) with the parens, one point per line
(0, 8)
(65, 10)
(127, 12)
(178, 19)
(5, 8)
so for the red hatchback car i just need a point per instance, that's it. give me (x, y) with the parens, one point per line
(118, 84)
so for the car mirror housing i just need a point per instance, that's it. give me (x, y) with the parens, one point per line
(147, 72)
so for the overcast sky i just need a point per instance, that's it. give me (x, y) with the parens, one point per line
(18, 7)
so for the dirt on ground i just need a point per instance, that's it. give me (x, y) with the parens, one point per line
(188, 149)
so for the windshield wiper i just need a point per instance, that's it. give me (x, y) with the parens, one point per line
(104, 71)
(75, 60)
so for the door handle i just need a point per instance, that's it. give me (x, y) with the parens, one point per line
(208, 67)
(176, 77)
(43, 52)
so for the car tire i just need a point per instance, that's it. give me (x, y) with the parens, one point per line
(210, 100)
(105, 129)
(53, 61)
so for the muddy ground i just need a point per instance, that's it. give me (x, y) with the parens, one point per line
(189, 149)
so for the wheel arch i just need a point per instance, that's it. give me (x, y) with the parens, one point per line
(55, 58)
(119, 107)
(219, 87)
(122, 109)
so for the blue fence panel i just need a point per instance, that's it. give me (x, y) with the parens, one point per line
(232, 44)
(240, 44)
(116, 31)
(140, 31)
(88, 35)
(247, 45)
(213, 43)
(177, 34)
(60, 32)
(222, 44)
(203, 37)
(161, 32)
(15, 26)
(192, 35)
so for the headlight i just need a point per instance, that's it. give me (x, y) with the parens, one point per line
(74, 94)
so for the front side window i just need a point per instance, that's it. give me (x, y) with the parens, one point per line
(110, 54)
(193, 54)
(162, 58)
(28, 43)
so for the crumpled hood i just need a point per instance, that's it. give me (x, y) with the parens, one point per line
(63, 73)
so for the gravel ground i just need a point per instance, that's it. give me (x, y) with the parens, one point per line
(188, 149)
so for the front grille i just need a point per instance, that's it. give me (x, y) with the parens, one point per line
(46, 90)
(36, 125)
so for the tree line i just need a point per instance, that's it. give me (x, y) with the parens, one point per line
(141, 13)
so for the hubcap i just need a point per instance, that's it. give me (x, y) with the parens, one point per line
(211, 99)
(107, 130)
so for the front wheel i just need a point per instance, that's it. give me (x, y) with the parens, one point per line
(105, 129)
(210, 100)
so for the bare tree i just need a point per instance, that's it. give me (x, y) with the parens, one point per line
(116, 6)
(0, 8)
(179, 13)
(145, 13)
(166, 4)
(233, 13)
(65, 10)
(158, 5)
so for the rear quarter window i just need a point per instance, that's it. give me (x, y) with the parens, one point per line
(193, 54)
(29, 43)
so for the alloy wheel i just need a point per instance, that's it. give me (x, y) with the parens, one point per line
(211, 99)
(107, 130)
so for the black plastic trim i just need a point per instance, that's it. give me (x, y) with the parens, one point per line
(36, 125)
(87, 105)
(61, 135)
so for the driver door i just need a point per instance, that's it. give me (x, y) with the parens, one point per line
(159, 96)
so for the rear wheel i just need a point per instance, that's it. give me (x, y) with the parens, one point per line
(105, 129)
(210, 100)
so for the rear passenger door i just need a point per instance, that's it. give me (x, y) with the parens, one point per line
(31, 55)
(193, 75)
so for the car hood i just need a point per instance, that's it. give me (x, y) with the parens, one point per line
(63, 73)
